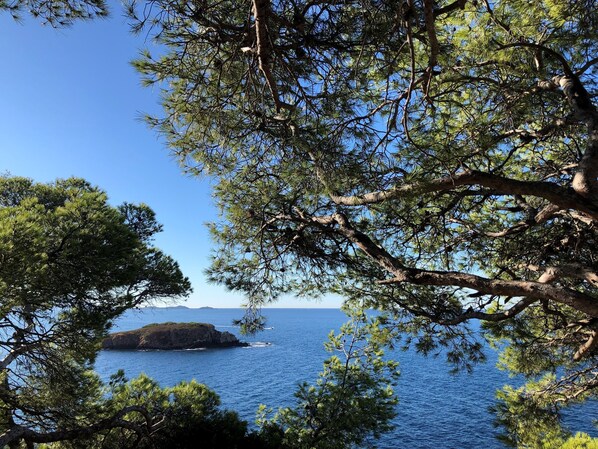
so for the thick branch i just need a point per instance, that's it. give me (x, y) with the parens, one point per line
(586, 66)
(548, 50)
(260, 9)
(433, 42)
(479, 315)
(584, 181)
(457, 4)
(10, 357)
(560, 196)
(20, 346)
(497, 287)
(377, 253)
(573, 271)
(587, 348)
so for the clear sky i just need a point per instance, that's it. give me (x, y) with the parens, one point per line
(71, 105)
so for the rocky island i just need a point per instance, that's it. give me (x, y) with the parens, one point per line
(172, 336)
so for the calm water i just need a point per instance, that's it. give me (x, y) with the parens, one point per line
(436, 410)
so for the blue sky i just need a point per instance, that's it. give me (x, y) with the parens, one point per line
(71, 106)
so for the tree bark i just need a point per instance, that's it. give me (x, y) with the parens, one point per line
(563, 197)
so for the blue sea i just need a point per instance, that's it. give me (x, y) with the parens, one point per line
(437, 410)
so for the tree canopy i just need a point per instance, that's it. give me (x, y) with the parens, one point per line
(180, 417)
(70, 264)
(352, 403)
(57, 13)
(436, 160)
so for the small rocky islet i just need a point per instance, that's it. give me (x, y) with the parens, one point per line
(172, 336)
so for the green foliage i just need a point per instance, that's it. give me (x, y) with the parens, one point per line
(71, 264)
(528, 418)
(436, 160)
(187, 413)
(57, 13)
(185, 416)
(580, 441)
(531, 416)
(352, 402)
(532, 420)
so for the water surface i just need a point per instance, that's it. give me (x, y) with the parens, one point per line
(437, 410)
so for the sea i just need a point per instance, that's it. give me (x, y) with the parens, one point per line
(436, 410)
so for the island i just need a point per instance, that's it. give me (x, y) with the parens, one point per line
(179, 307)
(168, 336)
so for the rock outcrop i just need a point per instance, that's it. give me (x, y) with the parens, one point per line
(172, 336)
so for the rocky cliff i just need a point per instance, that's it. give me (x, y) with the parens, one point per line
(172, 336)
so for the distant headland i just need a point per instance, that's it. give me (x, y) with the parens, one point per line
(176, 307)
(168, 336)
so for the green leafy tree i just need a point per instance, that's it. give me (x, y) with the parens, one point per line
(352, 403)
(437, 159)
(70, 264)
(185, 416)
(580, 441)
